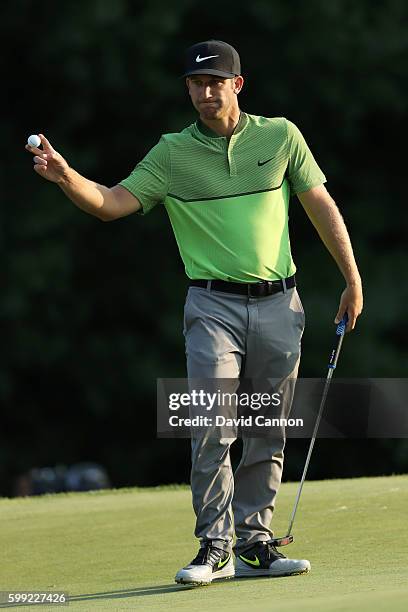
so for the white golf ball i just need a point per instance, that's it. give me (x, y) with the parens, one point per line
(34, 140)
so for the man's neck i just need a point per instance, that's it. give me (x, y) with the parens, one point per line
(224, 126)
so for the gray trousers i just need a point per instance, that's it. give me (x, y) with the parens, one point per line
(231, 336)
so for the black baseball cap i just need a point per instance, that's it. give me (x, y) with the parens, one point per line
(212, 57)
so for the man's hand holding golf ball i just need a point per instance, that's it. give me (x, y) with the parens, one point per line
(93, 198)
(47, 162)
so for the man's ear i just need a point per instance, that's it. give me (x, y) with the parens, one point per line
(238, 83)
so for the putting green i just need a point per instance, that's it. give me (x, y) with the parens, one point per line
(120, 549)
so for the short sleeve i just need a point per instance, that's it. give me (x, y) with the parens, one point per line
(149, 181)
(303, 172)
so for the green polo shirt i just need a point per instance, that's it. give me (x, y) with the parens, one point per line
(228, 200)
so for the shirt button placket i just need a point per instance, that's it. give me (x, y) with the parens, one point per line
(231, 159)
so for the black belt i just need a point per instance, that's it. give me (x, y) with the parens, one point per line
(261, 289)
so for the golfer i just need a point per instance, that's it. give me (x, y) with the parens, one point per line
(225, 182)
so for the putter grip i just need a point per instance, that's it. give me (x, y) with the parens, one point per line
(340, 330)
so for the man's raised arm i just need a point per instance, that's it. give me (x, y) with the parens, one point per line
(103, 202)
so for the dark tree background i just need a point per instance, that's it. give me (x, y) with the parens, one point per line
(91, 312)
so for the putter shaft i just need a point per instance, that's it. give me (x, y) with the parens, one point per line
(288, 539)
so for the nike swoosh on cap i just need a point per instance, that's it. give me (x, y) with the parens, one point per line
(201, 59)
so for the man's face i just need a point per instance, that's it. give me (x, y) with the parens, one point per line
(213, 96)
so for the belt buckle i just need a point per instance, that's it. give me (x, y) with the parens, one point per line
(260, 289)
(270, 287)
(265, 288)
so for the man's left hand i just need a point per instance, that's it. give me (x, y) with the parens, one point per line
(351, 301)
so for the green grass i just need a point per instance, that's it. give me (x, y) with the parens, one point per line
(117, 550)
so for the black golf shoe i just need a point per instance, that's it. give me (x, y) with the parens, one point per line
(210, 564)
(264, 560)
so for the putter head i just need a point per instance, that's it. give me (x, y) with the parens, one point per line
(282, 541)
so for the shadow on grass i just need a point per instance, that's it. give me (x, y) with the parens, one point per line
(136, 592)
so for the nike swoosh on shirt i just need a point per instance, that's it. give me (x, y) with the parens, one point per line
(201, 59)
(266, 161)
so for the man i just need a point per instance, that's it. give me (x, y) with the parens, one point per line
(226, 181)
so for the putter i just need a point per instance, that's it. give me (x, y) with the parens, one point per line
(334, 355)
